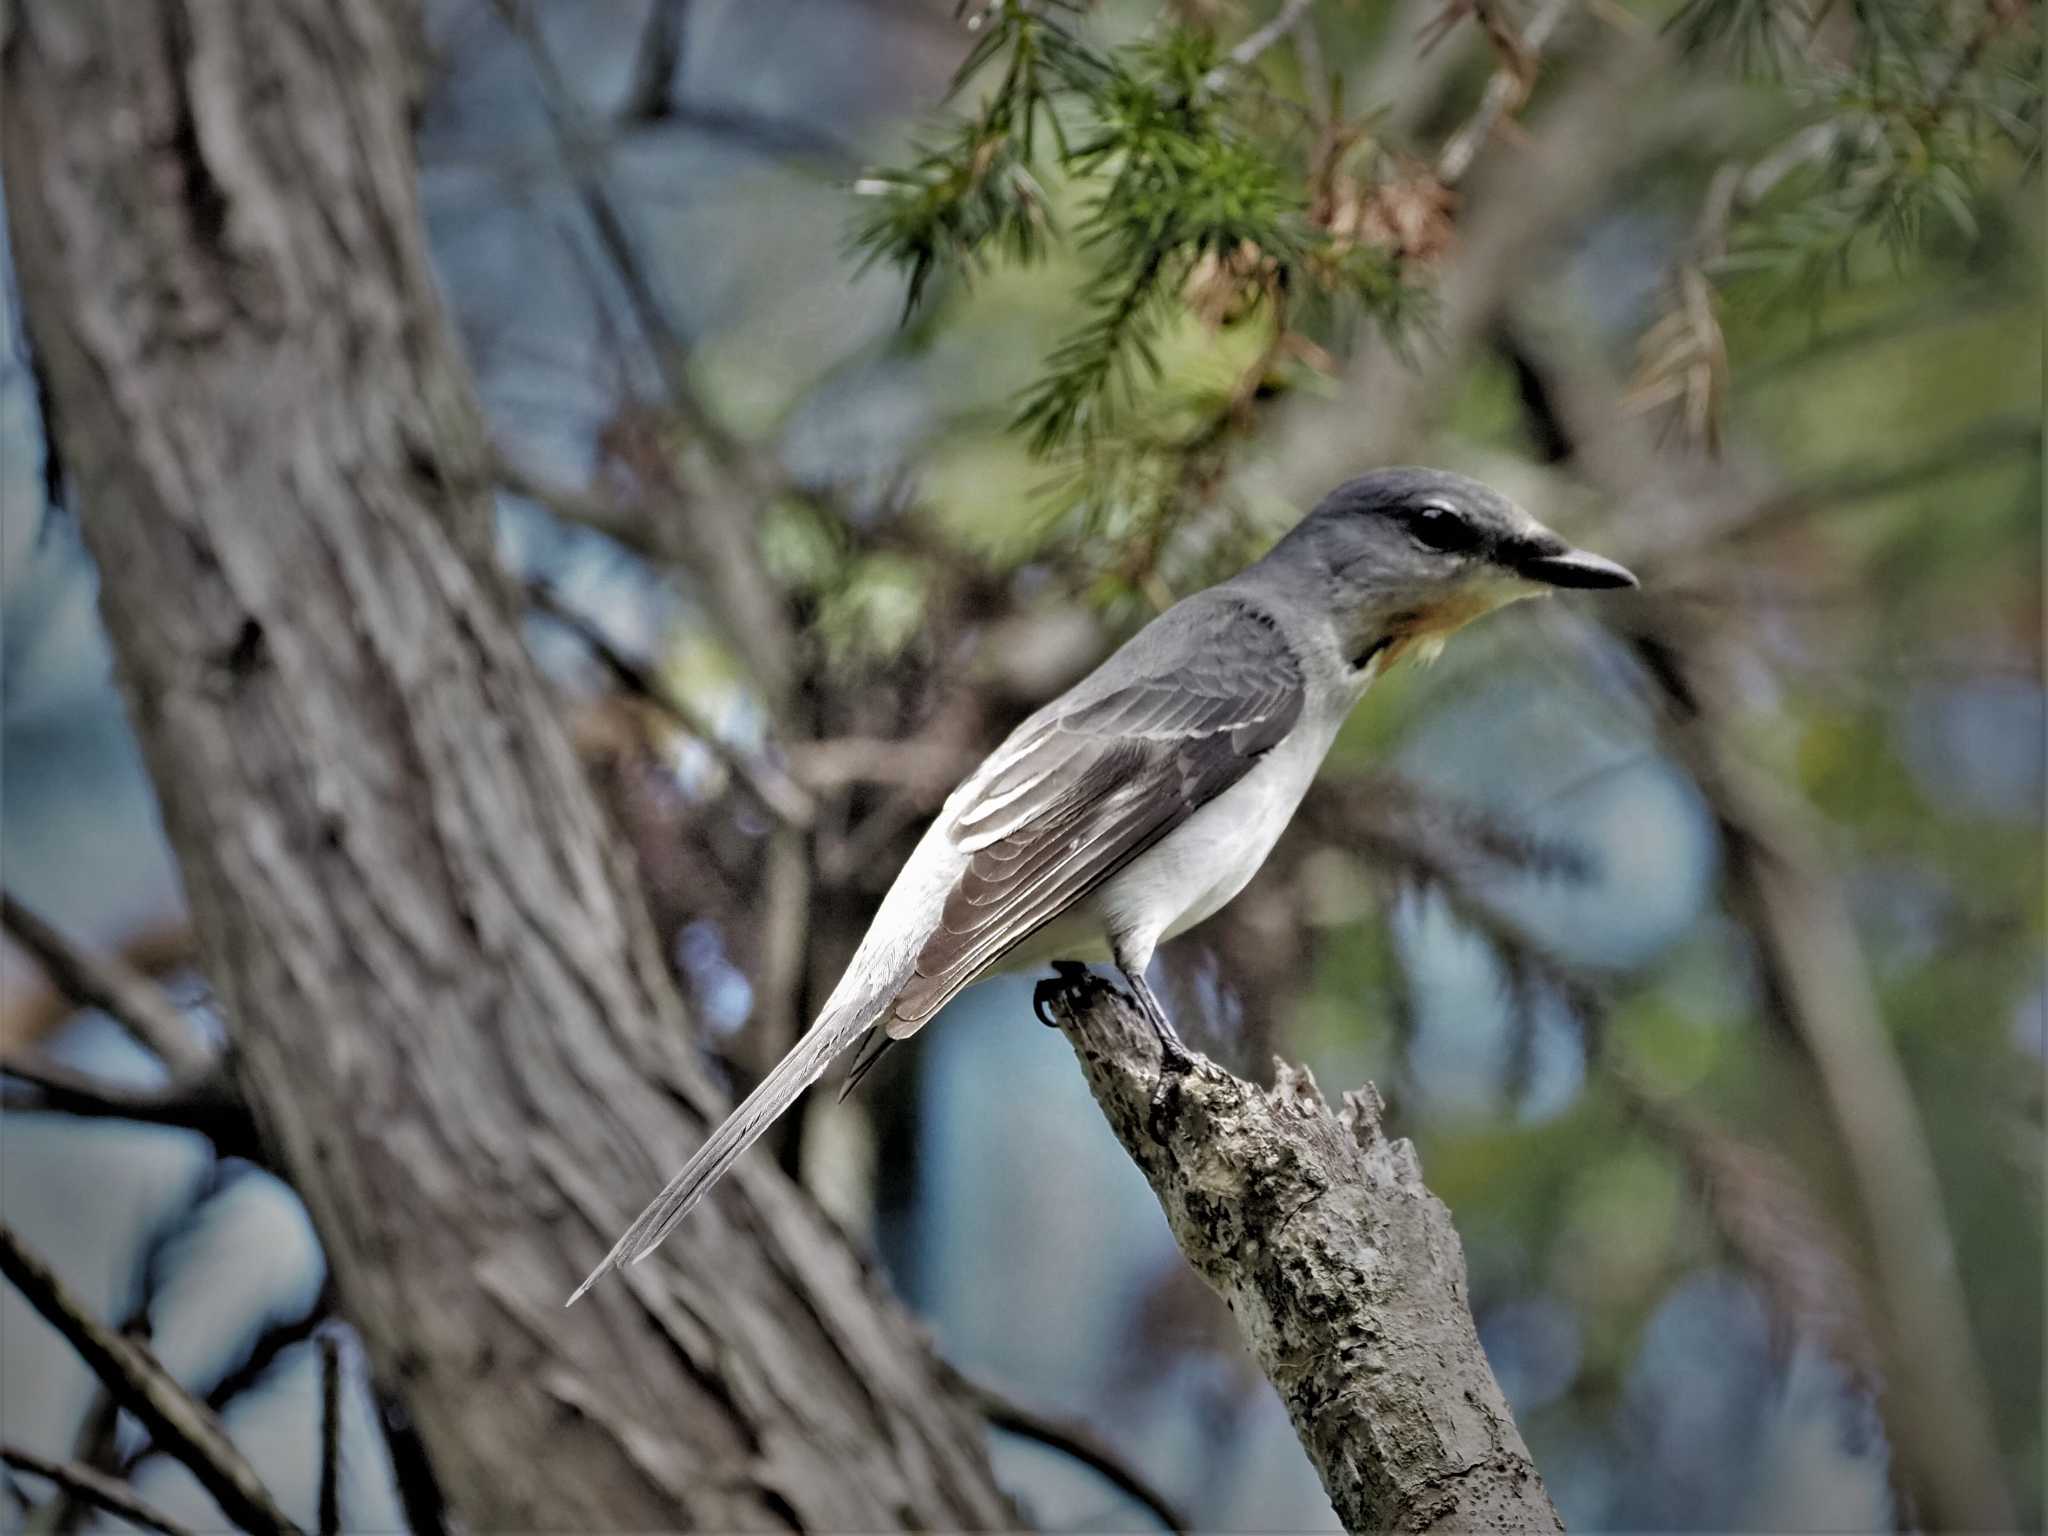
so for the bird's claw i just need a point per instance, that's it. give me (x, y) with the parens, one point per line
(1066, 991)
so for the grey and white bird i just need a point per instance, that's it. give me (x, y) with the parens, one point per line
(1146, 796)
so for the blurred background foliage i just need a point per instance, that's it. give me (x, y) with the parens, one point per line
(848, 409)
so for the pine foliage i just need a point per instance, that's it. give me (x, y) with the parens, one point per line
(1176, 176)
(1906, 106)
(1900, 121)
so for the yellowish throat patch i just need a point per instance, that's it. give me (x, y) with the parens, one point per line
(1421, 632)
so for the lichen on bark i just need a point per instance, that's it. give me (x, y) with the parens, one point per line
(1342, 1269)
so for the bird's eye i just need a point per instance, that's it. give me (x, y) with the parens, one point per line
(1441, 529)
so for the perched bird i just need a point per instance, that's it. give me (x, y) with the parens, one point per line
(1147, 795)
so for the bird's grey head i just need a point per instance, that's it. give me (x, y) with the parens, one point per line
(1400, 558)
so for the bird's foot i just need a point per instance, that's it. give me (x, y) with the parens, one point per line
(1068, 990)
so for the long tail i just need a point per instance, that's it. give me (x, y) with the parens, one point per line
(836, 1029)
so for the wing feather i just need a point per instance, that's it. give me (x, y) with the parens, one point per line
(1078, 793)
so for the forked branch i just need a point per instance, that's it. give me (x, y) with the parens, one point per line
(88, 1485)
(110, 984)
(183, 1427)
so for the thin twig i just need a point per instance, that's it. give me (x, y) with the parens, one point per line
(654, 64)
(784, 139)
(581, 148)
(719, 537)
(1816, 983)
(651, 100)
(1505, 93)
(93, 1447)
(271, 1346)
(183, 1427)
(330, 1435)
(1815, 988)
(208, 1105)
(616, 520)
(788, 800)
(1316, 80)
(1075, 1440)
(784, 922)
(1257, 42)
(90, 1487)
(923, 766)
(111, 985)
(1988, 442)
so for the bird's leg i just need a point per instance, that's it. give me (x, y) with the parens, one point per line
(1174, 1057)
(1175, 1060)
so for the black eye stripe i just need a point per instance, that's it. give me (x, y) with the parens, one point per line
(1441, 529)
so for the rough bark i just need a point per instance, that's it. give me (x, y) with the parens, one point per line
(449, 1013)
(1343, 1271)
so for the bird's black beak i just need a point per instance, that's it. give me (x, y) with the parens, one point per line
(1577, 568)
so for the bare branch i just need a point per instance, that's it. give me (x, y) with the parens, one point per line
(1816, 990)
(923, 767)
(94, 1447)
(1816, 981)
(127, 996)
(184, 1428)
(1505, 92)
(784, 926)
(788, 139)
(628, 525)
(1077, 1441)
(719, 540)
(651, 101)
(1408, 77)
(90, 1487)
(582, 152)
(1986, 442)
(786, 888)
(208, 1104)
(271, 1345)
(654, 64)
(1344, 1272)
(1257, 42)
(786, 799)
(330, 1435)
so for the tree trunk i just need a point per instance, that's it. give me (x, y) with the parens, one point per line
(448, 1009)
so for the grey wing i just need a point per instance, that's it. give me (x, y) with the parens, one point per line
(1079, 793)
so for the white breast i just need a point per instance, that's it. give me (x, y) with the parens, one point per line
(1191, 872)
(1199, 866)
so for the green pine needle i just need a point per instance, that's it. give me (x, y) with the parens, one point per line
(1170, 175)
